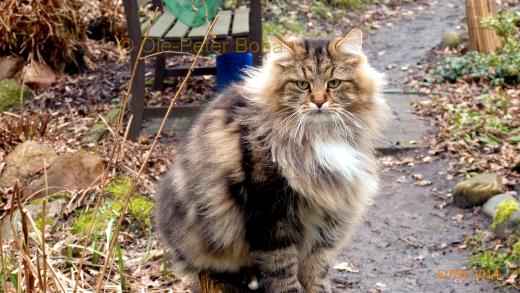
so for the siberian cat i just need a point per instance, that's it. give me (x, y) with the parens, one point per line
(279, 168)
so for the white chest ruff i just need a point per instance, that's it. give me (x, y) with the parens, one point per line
(341, 158)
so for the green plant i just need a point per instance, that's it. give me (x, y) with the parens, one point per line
(501, 67)
(121, 263)
(321, 10)
(490, 261)
(481, 120)
(354, 4)
(504, 210)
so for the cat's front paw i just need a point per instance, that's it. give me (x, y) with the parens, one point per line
(294, 287)
(321, 287)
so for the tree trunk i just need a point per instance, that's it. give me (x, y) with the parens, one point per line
(481, 39)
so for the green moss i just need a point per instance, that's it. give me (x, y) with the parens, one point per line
(515, 251)
(10, 92)
(354, 4)
(504, 210)
(489, 260)
(58, 195)
(141, 208)
(39, 222)
(321, 10)
(107, 212)
(119, 187)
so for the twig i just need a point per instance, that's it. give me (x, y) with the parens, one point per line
(113, 154)
(2, 262)
(44, 206)
(72, 116)
(107, 125)
(143, 165)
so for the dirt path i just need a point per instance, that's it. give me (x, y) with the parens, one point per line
(407, 238)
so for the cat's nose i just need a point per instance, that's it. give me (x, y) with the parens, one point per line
(319, 103)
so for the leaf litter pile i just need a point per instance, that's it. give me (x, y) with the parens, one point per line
(481, 129)
(474, 99)
(60, 240)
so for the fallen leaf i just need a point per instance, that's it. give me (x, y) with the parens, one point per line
(511, 279)
(423, 182)
(345, 266)
(458, 217)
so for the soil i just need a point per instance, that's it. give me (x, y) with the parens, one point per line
(412, 234)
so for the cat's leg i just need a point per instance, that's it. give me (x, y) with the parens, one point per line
(278, 269)
(315, 271)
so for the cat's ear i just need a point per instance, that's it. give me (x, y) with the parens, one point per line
(279, 47)
(352, 43)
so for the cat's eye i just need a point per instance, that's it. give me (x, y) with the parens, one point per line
(334, 83)
(302, 84)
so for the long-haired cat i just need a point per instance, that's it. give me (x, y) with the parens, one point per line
(279, 168)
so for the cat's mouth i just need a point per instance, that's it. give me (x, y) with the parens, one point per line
(319, 108)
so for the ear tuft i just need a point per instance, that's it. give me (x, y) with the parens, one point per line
(352, 43)
(278, 47)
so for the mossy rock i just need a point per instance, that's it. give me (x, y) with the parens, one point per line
(477, 190)
(504, 211)
(109, 211)
(450, 40)
(10, 92)
(140, 207)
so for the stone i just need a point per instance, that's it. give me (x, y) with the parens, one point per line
(508, 227)
(24, 161)
(39, 76)
(450, 40)
(53, 210)
(69, 172)
(10, 66)
(477, 190)
(490, 207)
(10, 92)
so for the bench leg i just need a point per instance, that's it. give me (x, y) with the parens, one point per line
(160, 64)
(137, 102)
(255, 32)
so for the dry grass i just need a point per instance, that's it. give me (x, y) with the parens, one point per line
(34, 260)
(51, 31)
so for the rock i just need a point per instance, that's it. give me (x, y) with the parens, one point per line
(9, 66)
(509, 226)
(39, 76)
(10, 94)
(477, 190)
(450, 40)
(490, 207)
(24, 161)
(53, 209)
(69, 172)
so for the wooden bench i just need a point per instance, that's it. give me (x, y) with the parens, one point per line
(239, 30)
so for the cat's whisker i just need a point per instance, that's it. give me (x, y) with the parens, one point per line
(364, 129)
(349, 132)
(356, 119)
(287, 120)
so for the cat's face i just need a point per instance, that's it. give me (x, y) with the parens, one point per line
(321, 84)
